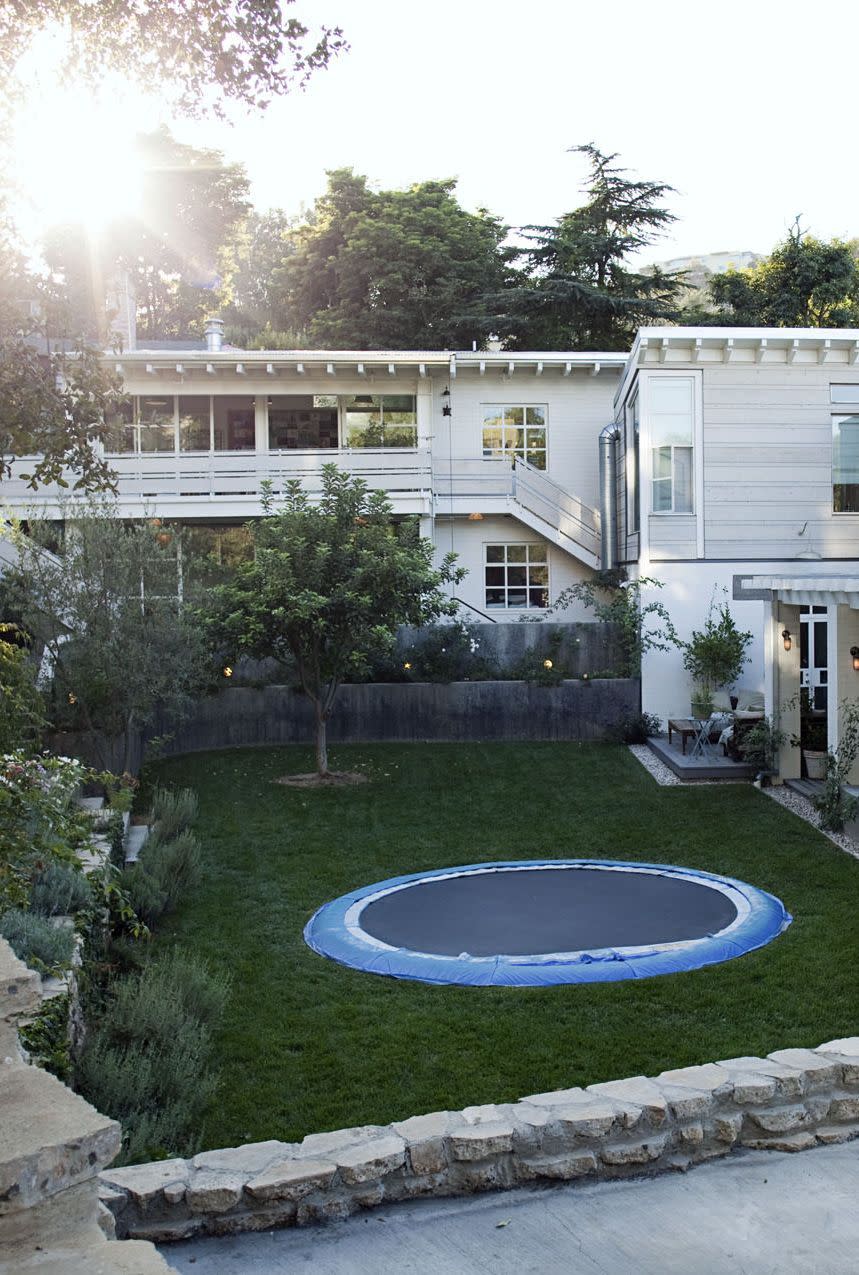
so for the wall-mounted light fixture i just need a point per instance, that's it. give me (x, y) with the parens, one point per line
(475, 517)
(445, 410)
(786, 638)
(854, 654)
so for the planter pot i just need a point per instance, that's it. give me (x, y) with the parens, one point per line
(815, 763)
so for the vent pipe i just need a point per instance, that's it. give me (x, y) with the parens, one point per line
(609, 439)
(214, 333)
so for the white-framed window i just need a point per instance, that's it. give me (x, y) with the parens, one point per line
(381, 420)
(633, 465)
(516, 576)
(671, 408)
(185, 422)
(845, 449)
(516, 429)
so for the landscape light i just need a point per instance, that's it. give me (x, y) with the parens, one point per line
(228, 672)
(547, 663)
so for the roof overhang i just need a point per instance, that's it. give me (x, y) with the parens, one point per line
(799, 590)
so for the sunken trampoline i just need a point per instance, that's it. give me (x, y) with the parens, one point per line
(536, 923)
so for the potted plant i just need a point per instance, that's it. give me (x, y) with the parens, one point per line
(759, 747)
(812, 738)
(715, 656)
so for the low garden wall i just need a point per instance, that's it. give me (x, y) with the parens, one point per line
(379, 712)
(791, 1100)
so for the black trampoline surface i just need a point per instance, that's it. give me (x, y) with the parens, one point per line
(537, 911)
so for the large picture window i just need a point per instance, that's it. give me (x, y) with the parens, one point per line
(516, 576)
(308, 423)
(381, 420)
(672, 424)
(845, 464)
(516, 430)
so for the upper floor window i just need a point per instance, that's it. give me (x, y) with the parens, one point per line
(845, 464)
(516, 430)
(308, 422)
(633, 491)
(381, 420)
(672, 423)
(184, 422)
(516, 575)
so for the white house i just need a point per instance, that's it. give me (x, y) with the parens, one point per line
(729, 459)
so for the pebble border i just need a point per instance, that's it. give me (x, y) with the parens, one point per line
(791, 1100)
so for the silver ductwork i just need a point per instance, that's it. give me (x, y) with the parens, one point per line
(609, 439)
(214, 334)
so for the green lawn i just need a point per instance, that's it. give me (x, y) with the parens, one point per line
(309, 1045)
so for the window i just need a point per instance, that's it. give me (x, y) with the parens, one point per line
(672, 418)
(194, 423)
(633, 487)
(516, 431)
(845, 464)
(233, 423)
(308, 421)
(120, 427)
(516, 576)
(157, 427)
(381, 420)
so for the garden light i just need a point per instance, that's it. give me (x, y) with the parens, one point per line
(73, 699)
(786, 638)
(228, 672)
(854, 653)
(547, 663)
(407, 665)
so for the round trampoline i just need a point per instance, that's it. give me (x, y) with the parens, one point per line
(541, 922)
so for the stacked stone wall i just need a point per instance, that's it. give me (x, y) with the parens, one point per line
(791, 1100)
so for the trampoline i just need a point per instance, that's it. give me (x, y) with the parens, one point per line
(541, 922)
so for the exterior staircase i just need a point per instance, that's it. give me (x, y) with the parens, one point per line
(490, 486)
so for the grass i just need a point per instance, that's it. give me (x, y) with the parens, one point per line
(309, 1045)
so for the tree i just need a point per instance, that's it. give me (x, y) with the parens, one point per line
(804, 283)
(329, 587)
(190, 203)
(393, 269)
(105, 610)
(197, 53)
(252, 258)
(579, 291)
(616, 600)
(56, 399)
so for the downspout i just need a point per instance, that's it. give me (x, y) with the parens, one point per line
(609, 438)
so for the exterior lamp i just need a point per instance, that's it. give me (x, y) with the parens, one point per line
(407, 664)
(586, 677)
(547, 663)
(475, 517)
(228, 672)
(786, 638)
(445, 411)
(854, 654)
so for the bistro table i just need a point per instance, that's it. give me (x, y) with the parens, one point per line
(685, 727)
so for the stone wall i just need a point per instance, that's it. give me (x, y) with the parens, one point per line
(789, 1101)
(380, 712)
(52, 1146)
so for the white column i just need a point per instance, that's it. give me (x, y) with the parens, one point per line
(424, 412)
(261, 423)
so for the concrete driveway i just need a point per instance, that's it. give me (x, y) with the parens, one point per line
(755, 1213)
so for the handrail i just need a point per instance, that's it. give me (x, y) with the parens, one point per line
(477, 611)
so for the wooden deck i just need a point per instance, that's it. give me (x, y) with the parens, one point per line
(712, 765)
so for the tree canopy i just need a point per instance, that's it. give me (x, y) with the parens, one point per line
(579, 290)
(198, 54)
(393, 268)
(329, 586)
(805, 283)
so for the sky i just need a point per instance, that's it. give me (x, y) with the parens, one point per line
(747, 109)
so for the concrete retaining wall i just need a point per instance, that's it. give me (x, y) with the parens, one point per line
(792, 1100)
(391, 711)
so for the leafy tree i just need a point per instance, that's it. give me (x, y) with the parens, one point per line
(198, 53)
(330, 585)
(394, 268)
(190, 203)
(579, 291)
(22, 715)
(716, 655)
(251, 304)
(56, 399)
(803, 283)
(106, 611)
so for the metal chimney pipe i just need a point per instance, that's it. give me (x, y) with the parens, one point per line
(609, 439)
(214, 333)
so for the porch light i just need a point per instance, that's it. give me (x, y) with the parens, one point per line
(854, 655)
(475, 517)
(228, 672)
(547, 663)
(786, 638)
(446, 392)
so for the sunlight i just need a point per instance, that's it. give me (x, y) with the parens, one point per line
(72, 153)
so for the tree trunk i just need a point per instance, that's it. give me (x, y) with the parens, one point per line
(321, 742)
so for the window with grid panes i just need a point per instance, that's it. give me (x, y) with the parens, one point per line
(516, 576)
(516, 430)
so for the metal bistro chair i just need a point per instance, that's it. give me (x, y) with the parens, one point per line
(701, 744)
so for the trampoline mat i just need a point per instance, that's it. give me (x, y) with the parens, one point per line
(537, 911)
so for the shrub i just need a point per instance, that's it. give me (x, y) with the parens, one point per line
(42, 946)
(147, 1060)
(145, 895)
(59, 890)
(46, 1037)
(173, 812)
(173, 865)
(638, 728)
